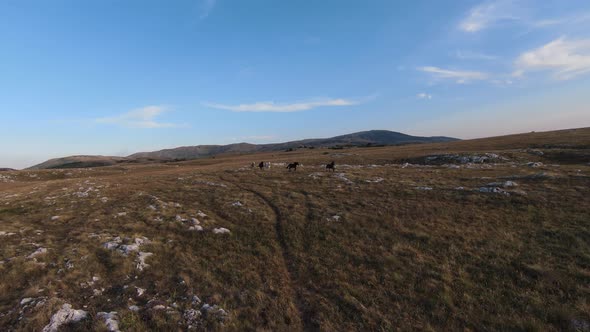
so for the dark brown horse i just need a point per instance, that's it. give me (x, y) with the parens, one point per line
(331, 166)
(292, 166)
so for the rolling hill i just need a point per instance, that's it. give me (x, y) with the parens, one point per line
(365, 138)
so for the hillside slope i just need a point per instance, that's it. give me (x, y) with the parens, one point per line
(392, 240)
(79, 162)
(372, 137)
(365, 138)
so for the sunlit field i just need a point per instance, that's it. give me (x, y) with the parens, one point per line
(488, 234)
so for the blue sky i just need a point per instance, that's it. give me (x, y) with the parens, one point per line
(116, 77)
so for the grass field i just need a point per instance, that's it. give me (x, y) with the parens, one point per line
(397, 238)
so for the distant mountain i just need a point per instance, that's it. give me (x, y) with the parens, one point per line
(193, 152)
(79, 162)
(6, 169)
(364, 138)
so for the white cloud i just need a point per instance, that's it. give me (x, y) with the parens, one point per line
(424, 95)
(493, 13)
(565, 58)
(205, 8)
(459, 76)
(270, 106)
(487, 14)
(139, 118)
(572, 19)
(469, 55)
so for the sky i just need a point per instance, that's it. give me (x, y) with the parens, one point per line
(115, 77)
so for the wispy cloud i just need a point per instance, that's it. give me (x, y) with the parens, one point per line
(424, 95)
(469, 55)
(139, 118)
(269, 106)
(205, 8)
(578, 18)
(494, 13)
(488, 14)
(459, 76)
(565, 58)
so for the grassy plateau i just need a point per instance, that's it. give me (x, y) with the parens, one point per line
(479, 235)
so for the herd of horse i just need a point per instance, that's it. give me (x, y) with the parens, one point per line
(292, 166)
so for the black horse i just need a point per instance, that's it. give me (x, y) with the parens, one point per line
(261, 165)
(292, 166)
(331, 166)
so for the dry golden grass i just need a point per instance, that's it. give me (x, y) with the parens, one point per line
(398, 258)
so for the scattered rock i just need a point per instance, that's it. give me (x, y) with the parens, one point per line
(535, 152)
(37, 252)
(54, 218)
(140, 291)
(2, 233)
(221, 230)
(214, 312)
(534, 164)
(66, 315)
(192, 317)
(342, 176)
(335, 218)
(423, 188)
(26, 300)
(316, 175)
(110, 320)
(375, 180)
(237, 204)
(134, 308)
(505, 184)
(89, 283)
(195, 300)
(141, 257)
(114, 244)
(494, 190)
(126, 249)
(444, 159)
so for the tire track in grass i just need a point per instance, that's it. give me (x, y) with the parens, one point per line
(305, 315)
